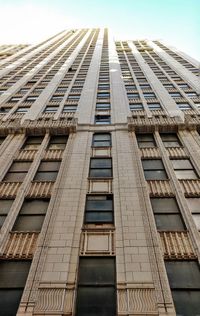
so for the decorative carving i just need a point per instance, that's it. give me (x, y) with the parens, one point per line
(137, 300)
(50, 299)
(26, 154)
(55, 298)
(149, 152)
(53, 154)
(97, 242)
(160, 188)
(176, 152)
(20, 245)
(176, 245)
(40, 189)
(191, 188)
(100, 186)
(9, 189)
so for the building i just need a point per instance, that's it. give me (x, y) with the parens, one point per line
(9, 50)
(99, 178)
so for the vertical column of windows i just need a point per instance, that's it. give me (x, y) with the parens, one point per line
(96, 292)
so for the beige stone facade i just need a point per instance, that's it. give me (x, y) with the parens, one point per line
(75, 85)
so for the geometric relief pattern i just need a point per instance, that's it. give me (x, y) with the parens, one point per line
(160, 188)
(97, 243)
(40, 189)
(191, 188)
(9, 189)
(137, 301)
(149, 152)
(55, 300)
(20, 245)
(176, 245)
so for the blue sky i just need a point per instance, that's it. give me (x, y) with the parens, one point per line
(175, 21)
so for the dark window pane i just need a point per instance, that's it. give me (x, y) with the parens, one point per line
(155, 175)
(101, 173)
(13, 274)
(28, 223)
(96, 271)
(99, 217)
(46, 176)
(9, 302)
(171, 144)
(5, 206)
(58, 139)
(169, 137)
(170, 222)
(49, 166)
(2, 219)
(34, 140)
(145, 137)
(181, 164)
(164, 205)
(153, 164)
(34, 207)
(96, 301)
(99, 205)
(15, 177)
(183, 274)
(101, 163)
(186, 302)
(20, 166)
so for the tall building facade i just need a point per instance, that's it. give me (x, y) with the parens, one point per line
(99, 178)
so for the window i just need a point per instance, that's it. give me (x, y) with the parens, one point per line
(17, 171)
(154, 169)
(191, 94)
(22, 110)
(154, 106)
(30, 99)
(31, 215)
(103, 106)
(136, 106)
(69, 108)
(184, 106)
(167, 214)
(101, 140)
(47, 171)
(184, 280)
(170, 140)
(57, 98)
(149, 95)
(1, 140)
(99, 209)
(183, 169)
(57, 142)
(51, 109)
(96, 287)
(133, 95)
(13, 275)
(5, 206)
(102, 119)
(175, 94)
(100, 168)
(145, 140)
(33, 143)
(102, 95)
(194, 207)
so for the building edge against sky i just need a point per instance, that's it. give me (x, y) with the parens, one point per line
(99, 178)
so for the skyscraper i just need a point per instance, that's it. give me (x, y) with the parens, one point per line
(99, 178)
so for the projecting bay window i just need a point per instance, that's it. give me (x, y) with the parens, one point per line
(183, 169)
(184, 280)
(99, 209)
(47, 171)
(13, 275)
(17, 171)
(154, 169)
(96, 294)
(100, 168)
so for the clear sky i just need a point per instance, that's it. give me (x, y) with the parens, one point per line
(175, 21)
